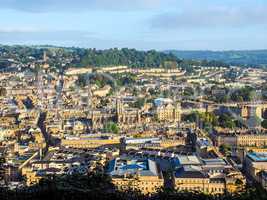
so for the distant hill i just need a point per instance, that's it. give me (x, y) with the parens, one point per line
(81, 57)
(256, 58)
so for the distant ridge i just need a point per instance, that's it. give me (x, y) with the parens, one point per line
(82, 57)
(256, 58)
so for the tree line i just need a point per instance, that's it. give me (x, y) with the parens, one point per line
(98, 186)
(82, 57)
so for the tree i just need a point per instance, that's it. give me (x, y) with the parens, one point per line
(111, 127)
(254, 121)
(139, 103)
(226, 121)
(192, 117)
(189, 91)
(124, 56)
(264, 123)
(225, 149)
(3, 92)
(244, 94)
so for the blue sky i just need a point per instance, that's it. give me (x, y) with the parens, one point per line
(141, 24)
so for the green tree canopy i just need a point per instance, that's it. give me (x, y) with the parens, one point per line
(111, 127)
(264, 123)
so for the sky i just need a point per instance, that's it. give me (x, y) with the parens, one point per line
(140, 24)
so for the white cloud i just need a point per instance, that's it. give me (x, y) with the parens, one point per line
(80, 5)
(212, 17)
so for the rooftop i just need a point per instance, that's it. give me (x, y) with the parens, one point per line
(216, 161)
(188, 160)
(123, 166)
(190, 171)
(258, 157)
(141, 140)
(203, 142)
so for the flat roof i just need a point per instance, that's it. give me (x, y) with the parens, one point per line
(121, 166)
(203, 142)
(188, 160)
(258, 157)
(214, 161)
(140, 140)
(190, 171)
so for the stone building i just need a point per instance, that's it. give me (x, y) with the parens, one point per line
(127, 117)
(140, 174)
(169, 113)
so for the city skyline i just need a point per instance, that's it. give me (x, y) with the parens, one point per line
(141, 24)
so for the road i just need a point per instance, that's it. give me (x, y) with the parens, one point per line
(41, 125)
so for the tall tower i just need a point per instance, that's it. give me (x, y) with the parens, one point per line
(89, 98)
(40, 89)
(119, 107)
(58, 103)
(177, 112)
(45, 57)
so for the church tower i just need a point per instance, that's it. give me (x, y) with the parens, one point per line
(119, 110)
(119, 106)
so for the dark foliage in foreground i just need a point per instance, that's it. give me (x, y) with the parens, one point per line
(98, 186)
